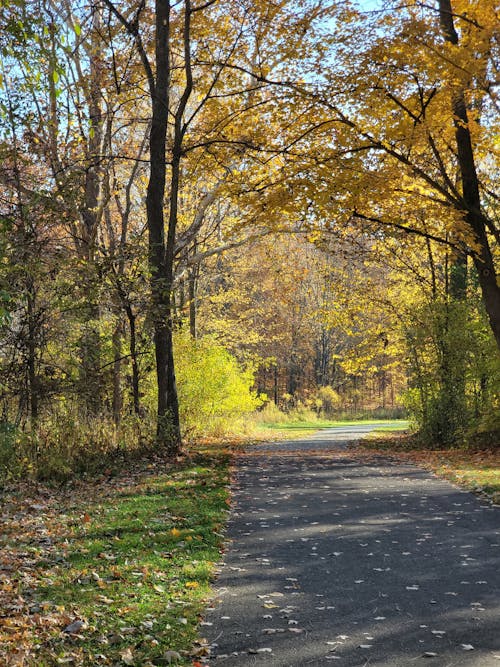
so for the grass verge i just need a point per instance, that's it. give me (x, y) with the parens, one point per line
(114, 571)
(298, 429)
(476, 469)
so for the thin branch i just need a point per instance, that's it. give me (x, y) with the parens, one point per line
(132, 28)
(202, 7)
(408, 230)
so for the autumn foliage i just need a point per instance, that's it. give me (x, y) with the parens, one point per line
(306, 190)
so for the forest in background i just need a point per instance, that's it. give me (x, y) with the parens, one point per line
(210, 208)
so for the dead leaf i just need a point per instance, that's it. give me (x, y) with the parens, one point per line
(127, 656)
(75, 627)
(171, 656)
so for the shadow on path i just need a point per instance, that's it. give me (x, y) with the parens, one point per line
(335, 560)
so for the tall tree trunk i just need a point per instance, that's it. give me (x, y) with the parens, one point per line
(482, 256)
(161, 261)
(275, 385)
(29, 258)
(161, 250)
(91, 380)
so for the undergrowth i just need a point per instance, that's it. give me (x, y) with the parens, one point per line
(63, 444)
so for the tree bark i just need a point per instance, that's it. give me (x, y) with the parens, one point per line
(32, 346)
(482, 256)
(117, 365)
(133, 355)
(275, 385)
(91, 381)
(160, 256)
(161, 250)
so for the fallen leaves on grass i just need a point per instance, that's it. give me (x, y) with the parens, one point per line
(97, 571)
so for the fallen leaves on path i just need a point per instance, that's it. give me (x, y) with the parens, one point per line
(476, 470)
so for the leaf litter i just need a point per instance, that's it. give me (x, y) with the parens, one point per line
(97, 571)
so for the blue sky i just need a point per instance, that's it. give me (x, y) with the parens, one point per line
(369, 4)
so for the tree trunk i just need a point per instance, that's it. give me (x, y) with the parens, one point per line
(91, 380)
(482, 256)
(161, 260)
(161, 252)
(117, 368)
(28, 262)
(133, 355)
(33, 385)
(275, 386)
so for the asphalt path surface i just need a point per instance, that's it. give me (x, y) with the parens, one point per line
(333, 558)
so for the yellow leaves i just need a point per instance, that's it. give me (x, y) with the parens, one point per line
(175, 532)
(315, 236)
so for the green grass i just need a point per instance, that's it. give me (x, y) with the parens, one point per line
(482, 476)
(134, 566)
(400, 426)
(299, 428)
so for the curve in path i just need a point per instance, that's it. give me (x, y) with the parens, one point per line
(336, 438)
(335, 560)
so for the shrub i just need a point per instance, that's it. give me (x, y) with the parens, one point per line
(302, 413)
(270, 414)
(453, 372)
(10, 462)
(330, 400)
(214, 390)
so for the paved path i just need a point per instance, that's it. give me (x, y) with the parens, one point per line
(331, 439)
(333, 560)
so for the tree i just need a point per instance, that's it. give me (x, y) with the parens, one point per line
(471, 203)
(406, 116)
(207, 97)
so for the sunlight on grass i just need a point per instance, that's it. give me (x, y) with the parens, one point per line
(133, 572)
(299, 429)
(401, 425)
(476, 474)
